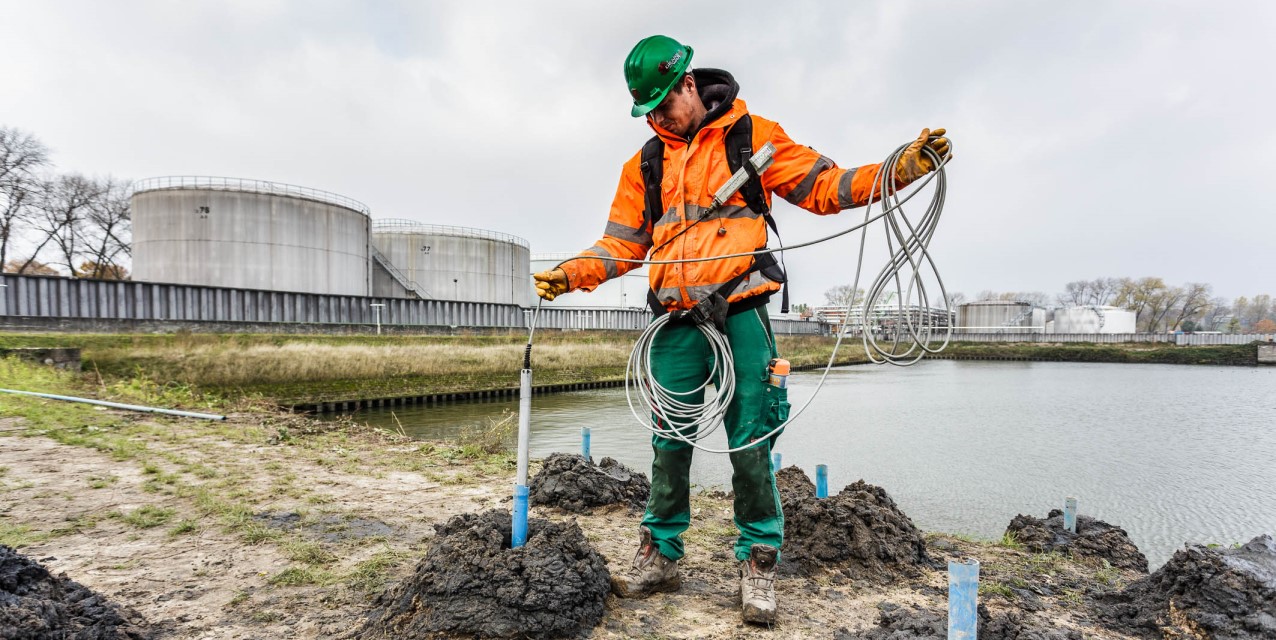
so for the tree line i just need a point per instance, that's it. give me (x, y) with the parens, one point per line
(55, 223)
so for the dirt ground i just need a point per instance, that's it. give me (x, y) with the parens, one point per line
(274, 527)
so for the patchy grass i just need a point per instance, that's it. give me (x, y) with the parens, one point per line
(372, 574)
(301, 576)
(20, 535)
(308, 552)
(184, 527)
(148, 516)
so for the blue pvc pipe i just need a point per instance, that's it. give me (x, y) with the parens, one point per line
(519, 536)
(963, 599)
(821, 481)
(584, 442)
(775, 461)
(1070, 514)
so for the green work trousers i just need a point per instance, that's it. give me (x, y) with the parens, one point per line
(681, 360)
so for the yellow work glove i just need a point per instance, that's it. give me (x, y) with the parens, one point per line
(914, 164)
(551, 283)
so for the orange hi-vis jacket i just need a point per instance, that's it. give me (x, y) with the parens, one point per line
(693, 170)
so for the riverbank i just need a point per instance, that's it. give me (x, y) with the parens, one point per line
(292, 370)
(1144, 353)
(275, 525)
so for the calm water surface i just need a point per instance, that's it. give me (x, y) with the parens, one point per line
(1170, 453)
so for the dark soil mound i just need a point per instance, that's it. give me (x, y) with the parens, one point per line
(37, 604)
(1093, 539)
(859, 532)
(1202, 593)
(915, 623)
(572, 483)
(472, 583)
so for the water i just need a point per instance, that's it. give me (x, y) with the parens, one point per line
(1170, 453)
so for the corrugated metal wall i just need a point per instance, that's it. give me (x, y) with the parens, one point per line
(57, 297)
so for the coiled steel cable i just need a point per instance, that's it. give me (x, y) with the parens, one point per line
(669, 415)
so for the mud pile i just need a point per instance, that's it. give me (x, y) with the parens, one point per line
(859, 532)
(1202, 593)
(472, 583)
(572, 483)
(37, 604)
(1093, 539)
(895, 622)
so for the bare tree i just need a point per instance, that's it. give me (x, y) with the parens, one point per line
(842, 295)
(1196, 298)
(21, 155)
(956, 299)
(105, 232)
(65, 204)
(1216, 314)
(1074, 294)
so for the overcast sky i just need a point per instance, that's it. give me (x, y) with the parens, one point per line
(1093, 138)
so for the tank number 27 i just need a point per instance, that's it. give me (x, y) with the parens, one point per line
(202, 211)
(425, 248)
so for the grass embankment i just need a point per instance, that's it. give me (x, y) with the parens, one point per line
(1147, 353)
(289, 369)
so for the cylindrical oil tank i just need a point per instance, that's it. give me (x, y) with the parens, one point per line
(996, 316)
(1094, 320)
(457, 263)
(626, 292)
(250, 234)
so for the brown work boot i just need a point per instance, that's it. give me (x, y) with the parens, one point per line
(652, 572)
(757, 584)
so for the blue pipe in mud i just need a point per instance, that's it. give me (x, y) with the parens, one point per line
(118, 405)
(775, 461)
(519, 535)
(963, 599)
(821, 481)
(1070, 514)
(584, 442)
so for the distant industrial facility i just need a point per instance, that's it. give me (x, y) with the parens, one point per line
(1017, 316)
(252, 234)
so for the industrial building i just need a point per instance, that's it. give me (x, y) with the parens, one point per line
(267, 236)
(1016, 316)
(441, 262)
(1096, 319)
(249, 234)
(1000, 316)
(884, 316)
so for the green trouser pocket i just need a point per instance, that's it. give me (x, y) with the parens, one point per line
(776, 406)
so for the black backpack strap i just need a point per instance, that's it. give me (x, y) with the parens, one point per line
(739, 149)
(653, 173)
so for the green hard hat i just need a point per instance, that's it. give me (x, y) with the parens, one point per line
(652, 68)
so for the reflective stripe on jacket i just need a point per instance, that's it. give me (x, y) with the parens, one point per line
(693, 171)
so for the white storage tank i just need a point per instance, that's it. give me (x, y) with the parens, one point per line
(456, 263)
(626, 292)
(1098, 319)
(250, 234)
(1000, 316)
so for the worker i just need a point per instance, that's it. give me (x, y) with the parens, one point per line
(691, 112)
